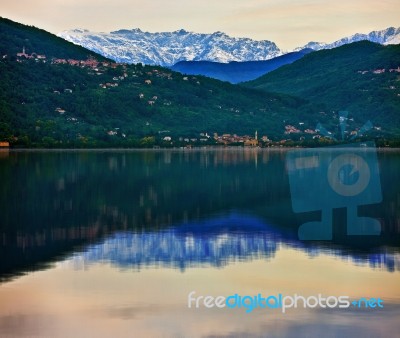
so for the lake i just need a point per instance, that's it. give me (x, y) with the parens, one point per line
(100, 243)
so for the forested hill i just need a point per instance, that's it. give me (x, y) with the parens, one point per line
(362, 77)
(58, 94)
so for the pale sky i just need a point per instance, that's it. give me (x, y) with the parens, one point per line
(288, 23)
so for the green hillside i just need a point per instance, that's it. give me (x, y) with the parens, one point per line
(345, 78)
(62, 95)
(47, 103)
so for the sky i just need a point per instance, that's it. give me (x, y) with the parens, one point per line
(288, 23)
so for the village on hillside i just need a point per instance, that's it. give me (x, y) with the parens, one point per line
(165, 138)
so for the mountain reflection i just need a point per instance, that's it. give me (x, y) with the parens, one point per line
(216, 242)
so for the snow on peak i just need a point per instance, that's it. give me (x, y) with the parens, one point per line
(386, 36)
(167, 48)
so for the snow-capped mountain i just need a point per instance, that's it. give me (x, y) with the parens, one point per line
(387, 36)
(166, 49)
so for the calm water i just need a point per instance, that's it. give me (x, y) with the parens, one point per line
(110, 243)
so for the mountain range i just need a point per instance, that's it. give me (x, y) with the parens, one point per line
(168, 48)
(57, 94)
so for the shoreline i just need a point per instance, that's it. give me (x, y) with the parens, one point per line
(194, 149)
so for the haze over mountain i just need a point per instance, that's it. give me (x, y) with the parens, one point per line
(168, 48)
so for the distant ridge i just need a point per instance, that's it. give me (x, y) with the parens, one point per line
(388, 36)
(235, 72)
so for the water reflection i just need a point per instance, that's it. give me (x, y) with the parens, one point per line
(216, 243)
(110, 243)
(54, 203)
(184, 247)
